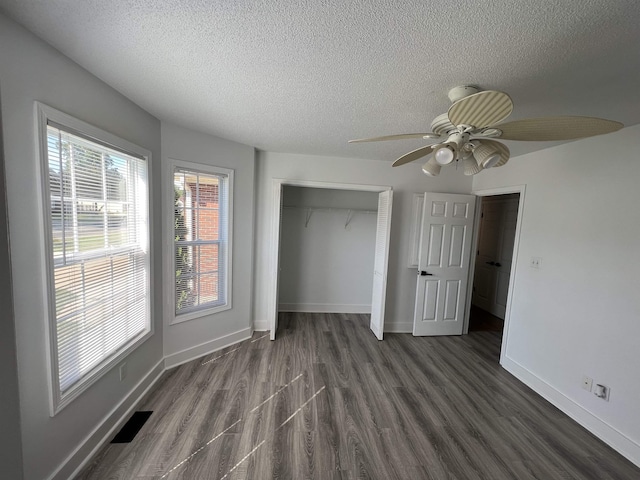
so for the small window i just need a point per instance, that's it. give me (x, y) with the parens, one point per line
(201, 245)
(96, 216)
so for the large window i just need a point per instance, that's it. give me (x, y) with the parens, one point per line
(96, 215)
(201, 198)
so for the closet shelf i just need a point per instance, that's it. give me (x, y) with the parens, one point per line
(350, 212)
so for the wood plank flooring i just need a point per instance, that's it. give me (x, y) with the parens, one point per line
(327, 400)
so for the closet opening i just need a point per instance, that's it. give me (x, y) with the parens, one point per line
(329, 250)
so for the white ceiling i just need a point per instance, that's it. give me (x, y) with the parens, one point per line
(305, 76)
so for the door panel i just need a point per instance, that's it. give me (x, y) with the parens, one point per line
(436, 239)
(451, 301)
(456, 252)
(443, 264)
(381, 258)
(482, 291)
(430, 300)
(502, 289)
(277, 226)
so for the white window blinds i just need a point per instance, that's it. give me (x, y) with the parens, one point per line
(99, 238)
(201, 233)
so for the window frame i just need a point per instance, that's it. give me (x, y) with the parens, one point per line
(169, 253)
(45, 115)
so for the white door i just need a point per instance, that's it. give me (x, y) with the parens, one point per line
(276, 231)
(494, 255)
(443, 263)
(383, 233)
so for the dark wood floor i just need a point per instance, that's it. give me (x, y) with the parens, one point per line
(481, 320)
(329, 401)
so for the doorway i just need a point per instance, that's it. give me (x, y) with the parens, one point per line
(499, 214)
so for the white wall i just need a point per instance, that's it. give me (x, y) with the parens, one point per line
(326, 267)
(190, 339)
(405, 181)
(579, 313)
(31, 70)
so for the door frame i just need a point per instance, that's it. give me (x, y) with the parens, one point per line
(276, 221)
(521, 189)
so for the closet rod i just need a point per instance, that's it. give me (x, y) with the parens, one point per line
(332, 209)
(350, 212)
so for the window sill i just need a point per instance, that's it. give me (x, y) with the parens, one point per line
(185, 317)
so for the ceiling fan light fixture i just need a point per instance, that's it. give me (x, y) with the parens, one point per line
(470, 166)
(431, 168)
(486, 156)
(444, 155)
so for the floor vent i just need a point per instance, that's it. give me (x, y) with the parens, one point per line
(130, 429)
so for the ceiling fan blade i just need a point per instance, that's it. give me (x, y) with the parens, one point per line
(481, 109)
(402, 136)
(556, 128)
(501, 148)
(414, 155)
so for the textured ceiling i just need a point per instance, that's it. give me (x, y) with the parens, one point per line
(305, 76)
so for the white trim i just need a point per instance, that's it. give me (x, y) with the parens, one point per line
(261, 326)
(521, 189)
(104, 431)
(191, 353)
(332, 185)
(42, 114)
(169, 266)
(398, 327)
(617, 440)
(274, 240)
(324, 307)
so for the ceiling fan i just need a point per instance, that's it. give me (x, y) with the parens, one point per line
(464, 134)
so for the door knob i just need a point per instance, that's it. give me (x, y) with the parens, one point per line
(425, 274)
(498, 264)
(490, 263)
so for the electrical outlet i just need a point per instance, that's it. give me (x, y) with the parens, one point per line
(587, 383)
(602, 391)
(536, 262)
(123, 371)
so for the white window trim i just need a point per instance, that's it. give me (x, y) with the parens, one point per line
(44, 114)
(170, 272)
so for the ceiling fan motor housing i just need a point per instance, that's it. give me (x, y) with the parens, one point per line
(458, 93)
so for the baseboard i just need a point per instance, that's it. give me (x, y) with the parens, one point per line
(107, 427)
(260, 326)
(206, 348)
(324, 308)
(627, 447)
(398, 327)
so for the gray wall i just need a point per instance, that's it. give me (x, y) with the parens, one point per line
(190, 339)
(11, 439)
(31, 70)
